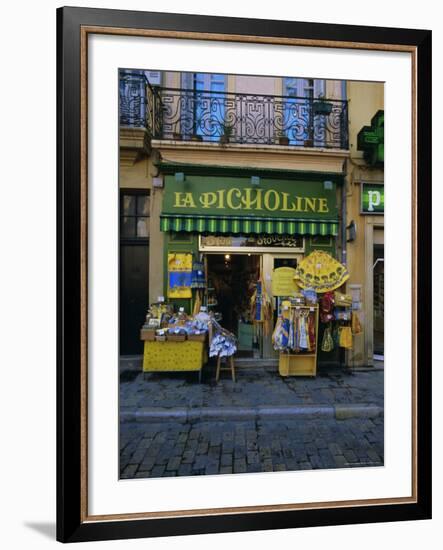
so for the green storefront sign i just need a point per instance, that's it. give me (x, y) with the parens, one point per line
(236, 205)
(372, 198)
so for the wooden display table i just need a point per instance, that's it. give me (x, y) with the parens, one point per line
(169, 356)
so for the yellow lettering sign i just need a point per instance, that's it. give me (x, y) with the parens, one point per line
(310, 204)
(322, 205)
(208, 199)
(184, 200)
(271, 204)
(285, 204)
(229, 203)
(249, 201)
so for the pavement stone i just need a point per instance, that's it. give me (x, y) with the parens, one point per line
(195, 444)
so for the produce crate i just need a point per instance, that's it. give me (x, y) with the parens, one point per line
(198, 337)
(175, 337)
(147, 334)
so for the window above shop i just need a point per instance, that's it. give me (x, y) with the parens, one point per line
(134, 215)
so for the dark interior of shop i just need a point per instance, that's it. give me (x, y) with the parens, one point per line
(231, 283)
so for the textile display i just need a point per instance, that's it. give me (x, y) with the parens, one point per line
(179, 275)
(321, 272)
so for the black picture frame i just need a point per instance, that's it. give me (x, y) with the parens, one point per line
(72, 523)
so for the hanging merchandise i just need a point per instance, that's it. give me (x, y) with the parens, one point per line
(179, 275)
(345, 337)
(281, 334)
(302, 333)
(310, 296)
(355, 324)
(197, 303)
(341, 314)
(342, 300)
(327, 307)
(321, 272)
(311, 332)
(327, 342)
(198, 275)
(335, 335)
(223, 342)
(261, 307)
(295, 330)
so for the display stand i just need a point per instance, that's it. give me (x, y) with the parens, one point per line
(301, 363)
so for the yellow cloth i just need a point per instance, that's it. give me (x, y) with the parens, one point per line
(173, 356)
(345, 337)
(197, 304)
(321, 272)
(179, 263)
(355, 324)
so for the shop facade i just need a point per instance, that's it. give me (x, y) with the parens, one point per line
(249, 206)
(244, 230)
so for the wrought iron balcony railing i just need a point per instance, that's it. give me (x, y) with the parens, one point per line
(181, 114)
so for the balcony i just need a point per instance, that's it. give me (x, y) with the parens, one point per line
(223, 117)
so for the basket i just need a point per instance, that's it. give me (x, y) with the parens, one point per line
(160, 338)
(197, 337)
(176, 337)
(147, 334)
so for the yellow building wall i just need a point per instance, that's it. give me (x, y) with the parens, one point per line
(138, 174)
(365, 99)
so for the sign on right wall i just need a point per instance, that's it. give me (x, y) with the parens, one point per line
(372, 198)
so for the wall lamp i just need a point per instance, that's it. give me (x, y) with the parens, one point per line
(179, 177)
(351, 231)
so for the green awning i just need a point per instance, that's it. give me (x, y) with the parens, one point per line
(244, 225)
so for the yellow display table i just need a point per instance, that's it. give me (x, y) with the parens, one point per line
(172, 356)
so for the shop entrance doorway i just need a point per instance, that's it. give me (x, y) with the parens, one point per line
(379, 301)
(231, 280)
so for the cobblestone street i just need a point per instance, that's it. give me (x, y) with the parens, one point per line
(171, 449)
(171, 425)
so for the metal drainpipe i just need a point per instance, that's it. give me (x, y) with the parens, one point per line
(344, 257)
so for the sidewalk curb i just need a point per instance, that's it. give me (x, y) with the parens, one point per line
(190, 415)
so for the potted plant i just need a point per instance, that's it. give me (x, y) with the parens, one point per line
(283, 139)
(321, 106)
(228, 130)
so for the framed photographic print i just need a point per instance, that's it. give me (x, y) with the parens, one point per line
(244, 334)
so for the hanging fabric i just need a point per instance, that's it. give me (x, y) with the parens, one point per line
(197, 303)
(261, 307)
(327, 344)
(345, 337)
(303, 337)
(198, 275)
(311, 330)
(327, 307)
(355, 324)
